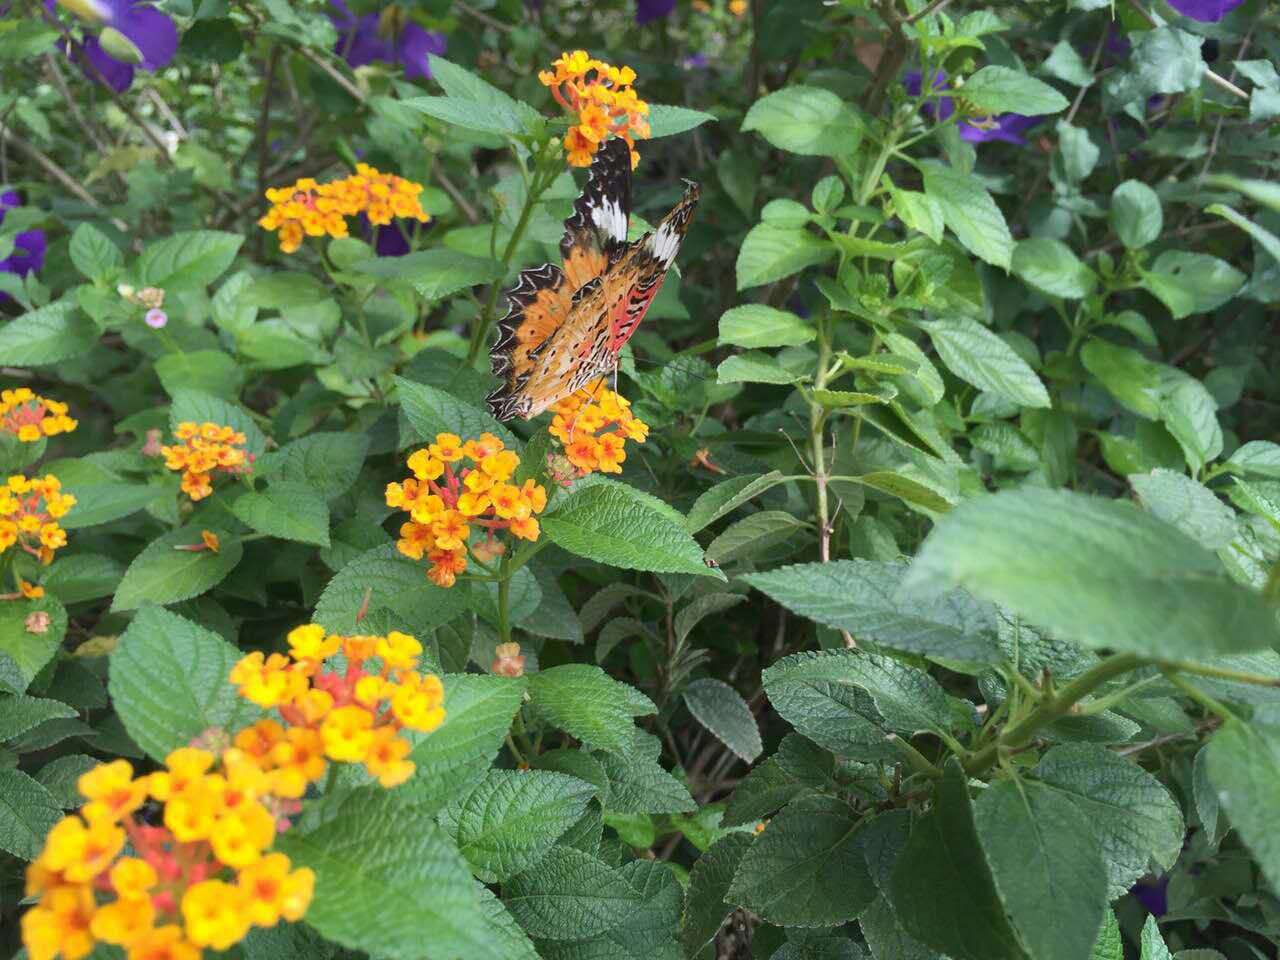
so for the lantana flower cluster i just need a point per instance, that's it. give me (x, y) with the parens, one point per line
(593, 429)
(311, 209)
(601, 99)
(447, 496)
(200, 878)
(29, 512)
(202, 450)
(354, 715)
(31, 417)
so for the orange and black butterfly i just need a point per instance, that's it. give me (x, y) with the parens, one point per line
(566, 324)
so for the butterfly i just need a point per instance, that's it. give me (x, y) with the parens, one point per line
(566, 324)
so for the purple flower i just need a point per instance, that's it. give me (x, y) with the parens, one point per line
(695, 61)
(1206, 11)
(156, 319)
(1153, 894)
(647, 10)
(28, 247)
(385, 36)
(136, 33)
(1008, 127)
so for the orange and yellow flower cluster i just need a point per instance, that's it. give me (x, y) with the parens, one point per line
(29, 417)
(445, 498)
(311, 209)
(29, 514)
(594, 431)
(201, 879)
(353, 716)
(204, 448)
(601, 98)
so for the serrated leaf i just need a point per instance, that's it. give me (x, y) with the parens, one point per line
(27, 812)
(189, 260)
(436, 273)
(162, 575)
(399, 596)
(753, 535)
(170, 681)
(705, 908)
(508, 822)
(770, 252)
(649, 931)
(1053, 268)
(503, 937)
(995, 89)
(588, 704)
(55, 332)
(61, 776)
(288, 510)
(1190, 506)
(808, 121)
(1135, 213)
(639, 784)
(431, 411)
(1128, 376)
(198, 407)
(1244, 766)
(727, 496)
(753, 367)
(93, 253)
(329, 463)
(978, 356)
(18, 714)
(570, 895)
(755, 325)
(26, 650)
(721, 709)
(1102, 573)
(970, 213)
(667, 121)
(210, 371)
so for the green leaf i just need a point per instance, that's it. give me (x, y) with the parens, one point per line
(432, 411)
(1002, 90)
(1065, 63)
(393, 591)
(170, 681)
(975, 354)
(503, 937)
(1152, 944)
(806, 120)
(587, 703)
(1164, 60)
(863, 597)
(1190, 506)
(1130, 812)
(615, 524)
(60, 778)
(188, 261)
(290, 511)
(1191, 414)
(478, 711)
(1259, 457)
(210, 371)
(648, 933)
(1244, 767)
(98, 503)
(919, 211)
(51, 334)
(1128, 376)
(94, 254)
(756, 325)
(705, 907)
(388, 880)
(468, 114)
(162, 574)
(721, 709)
(1041, 849)
(909, 491)
(1136, 216)
(435, 274)
(770, 252)
(753, 367)
(752, 535)
(1109, 945)
(460, 83)
(970, 212)
(195, 406)
(1190, 283)
(328, 463)
(942, 888)
(1267, 240)
(512, 818)
(807, 868)
(570, 895)
(26, 651)
(667, 121)
(18, 714)
(1100, 572)
(27, 812)
(638, 784)
(728, 495)
(1051, 267)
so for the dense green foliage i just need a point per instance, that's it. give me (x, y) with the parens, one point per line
(936, 617)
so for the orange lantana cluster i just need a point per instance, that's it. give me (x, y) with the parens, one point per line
(311, 209)
(29, 417)
(594, 429)
(445, 498)
(354, 716)
(29, 513)
(201, 879)
(601, 99)
(204, 448)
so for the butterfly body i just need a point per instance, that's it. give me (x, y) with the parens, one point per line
(566, 324)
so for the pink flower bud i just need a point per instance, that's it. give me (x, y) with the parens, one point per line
(156, 318)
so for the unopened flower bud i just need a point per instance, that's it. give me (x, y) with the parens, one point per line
(151, 297)
(156, 319)
(508, 661)
(38, 623)
(125, 291)
(152, 446)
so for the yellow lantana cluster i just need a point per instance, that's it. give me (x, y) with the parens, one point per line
(201, 879)
(603, 102)
(204, 448)
(354, 715)
(311, 209)
(594, 429)
(445, 498)
(29, 514)
(29, 417)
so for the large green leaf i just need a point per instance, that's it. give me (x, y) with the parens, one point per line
(164, 574)
(1100, 572)
(587, 703)
(1128, 376)
(638, 784)
(863, 597)
(615, 524)
(509, 821)
(970, 213)
(25, 649)
(170, 681)
(805, 120)
(1041, 850)
(285, 509)
(210, 371)
(1244, 767)
(705, 907)
(755, 325)
(199, 407)
(327, 462)
(394, 593)
(1136, 216)
(435, 273)
(1053, 268)
(388, 880)
(189, 260)
(667, 121)
(975, 354)
(57, 331)
(27, 811)
(730, 494)
(770, 252)
(996, 89)
(19, 713)
(570, 895)
(1190, 506)
(432, 411)
(721, 709)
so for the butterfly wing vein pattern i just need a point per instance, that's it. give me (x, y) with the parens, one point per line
(565, 325)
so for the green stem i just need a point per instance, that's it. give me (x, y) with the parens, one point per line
(1222, 673)
(504, 601)
(915, 759)
(1051, 709)
(1198, 695)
